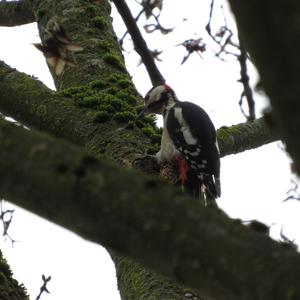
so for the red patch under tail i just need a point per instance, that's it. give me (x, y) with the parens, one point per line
(183, 168)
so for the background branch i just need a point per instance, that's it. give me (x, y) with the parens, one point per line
(245, 136)
(16, 13)
(247, 92)
(140, 44)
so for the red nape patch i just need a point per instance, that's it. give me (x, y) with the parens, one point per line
(183, 168)
(167, 87)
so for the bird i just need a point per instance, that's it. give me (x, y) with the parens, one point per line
(189, 140)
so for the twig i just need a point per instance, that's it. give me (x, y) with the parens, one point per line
(140, 44)
(6, 222)
(121, 40)
(293, 192)
(247, 92)
(43, 288)
(208, 27)
(286, 241)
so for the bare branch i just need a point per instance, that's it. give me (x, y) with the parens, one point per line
(44, 286)
(140, 44)
(16, 13)
(247, 92)
(6, 219)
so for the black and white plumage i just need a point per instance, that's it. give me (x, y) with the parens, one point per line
(189, 137)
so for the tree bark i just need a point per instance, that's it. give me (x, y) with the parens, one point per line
(16, 13)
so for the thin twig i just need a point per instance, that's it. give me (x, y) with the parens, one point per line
(43, 288)
(121, 40)
(140, 44)
(6, 221)
(247, 92)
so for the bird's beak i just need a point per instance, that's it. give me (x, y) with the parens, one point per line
(143, 113)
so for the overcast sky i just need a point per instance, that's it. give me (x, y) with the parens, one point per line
(254, 183)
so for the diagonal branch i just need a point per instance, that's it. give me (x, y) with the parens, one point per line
(99, 199)
(16, 13)
(140, 44)
(32, 103)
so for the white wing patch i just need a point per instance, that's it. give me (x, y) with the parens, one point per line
(190, 140)
(217, 146)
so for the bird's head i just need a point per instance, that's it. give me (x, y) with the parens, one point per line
(158, 99)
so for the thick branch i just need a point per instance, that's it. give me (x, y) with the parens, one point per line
(245, 136)
(140, 44)
(30, 102)
(15, 13)
(152, 223)
(271, 36)
(33, 104)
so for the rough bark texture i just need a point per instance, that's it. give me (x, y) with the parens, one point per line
(271, 33)
(9, 287)
(198, 246)
(15, 13)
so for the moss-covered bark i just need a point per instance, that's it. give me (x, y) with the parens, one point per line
(197, 246)
(15, 13)
(9, 287)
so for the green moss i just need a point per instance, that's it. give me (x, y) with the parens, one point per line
(151, 120)
(89, 101)
(117, 104)
(41, 111)
(124, 83)
(97, 84)
(112, 91)
(106, 107)
(124, 117)
(152, 150)
(40, 13)
(108, 98)
(115, 77)
(92, 10)
(101, 116)
(74, 91)
(114, 60)
(4, 268)
(148, 131)
(155, 138)
(105, 45)
(130, 125)
(129, 98)
(100, 22)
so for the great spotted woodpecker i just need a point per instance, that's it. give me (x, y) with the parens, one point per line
(189, 138)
